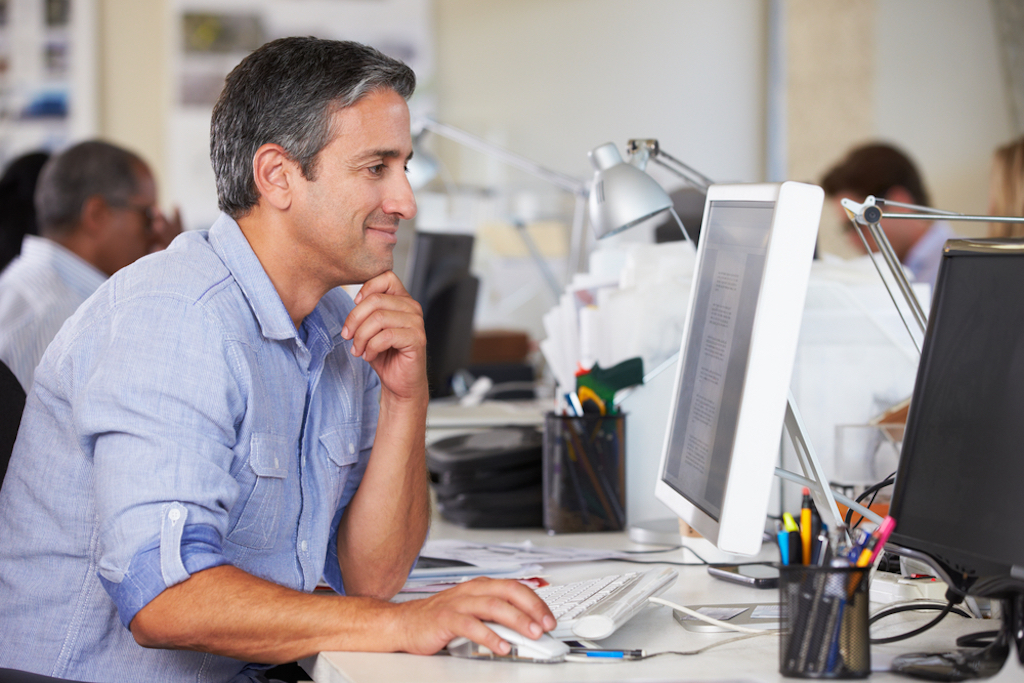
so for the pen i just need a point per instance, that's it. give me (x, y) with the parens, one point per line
(805, 525)
(608, 654)
(822, 553)
(885, 530)
(794, 552)
(782, 536)
(874, 544)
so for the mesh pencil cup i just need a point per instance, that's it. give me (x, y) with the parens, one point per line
(584, 473)
(824, 614)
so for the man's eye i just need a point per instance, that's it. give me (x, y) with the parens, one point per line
(377, 170)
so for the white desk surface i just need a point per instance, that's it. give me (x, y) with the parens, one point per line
(654, 630)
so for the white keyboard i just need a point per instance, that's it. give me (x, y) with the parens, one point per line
(595, 608)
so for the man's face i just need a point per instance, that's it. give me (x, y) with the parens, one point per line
(347, 219)
(129, 234)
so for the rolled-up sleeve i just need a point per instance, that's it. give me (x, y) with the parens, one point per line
(159, 427)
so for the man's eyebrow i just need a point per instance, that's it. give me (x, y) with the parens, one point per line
(381, 154)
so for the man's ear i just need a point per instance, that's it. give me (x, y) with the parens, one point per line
(95, 215)
(275, 175)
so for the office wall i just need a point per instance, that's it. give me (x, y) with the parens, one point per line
(133, 48)
(552, 79)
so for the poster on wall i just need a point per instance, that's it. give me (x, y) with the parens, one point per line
(47, 75)
(211, 37)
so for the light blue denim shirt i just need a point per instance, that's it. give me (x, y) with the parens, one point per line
(177, 422)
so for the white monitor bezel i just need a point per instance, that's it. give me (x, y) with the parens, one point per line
(774, 337)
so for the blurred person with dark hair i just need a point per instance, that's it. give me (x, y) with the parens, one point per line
(885, 172)
(17, 203)
(1006, 188)
(95, 204)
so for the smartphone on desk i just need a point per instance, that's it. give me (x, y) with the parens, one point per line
(756, 574)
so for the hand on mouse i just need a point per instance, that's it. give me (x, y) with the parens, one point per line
(426, 626)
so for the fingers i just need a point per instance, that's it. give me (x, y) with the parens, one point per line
(381, 323)
(385, 283)
(385, 317)
(462, 611)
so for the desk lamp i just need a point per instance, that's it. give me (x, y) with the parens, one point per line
(622, 196)
(869, 215)
(576, 187)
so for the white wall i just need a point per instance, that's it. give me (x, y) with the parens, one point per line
(939, 93)
(552, 79)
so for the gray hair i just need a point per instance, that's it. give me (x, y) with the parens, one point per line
(82, 171)
(286, 92)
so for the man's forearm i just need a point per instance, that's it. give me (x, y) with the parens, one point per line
(226, 611)
(386, 522)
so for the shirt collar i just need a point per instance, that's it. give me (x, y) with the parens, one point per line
(234, 249)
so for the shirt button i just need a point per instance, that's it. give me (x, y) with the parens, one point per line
(303, 545)
(351, 448)
(174, 515)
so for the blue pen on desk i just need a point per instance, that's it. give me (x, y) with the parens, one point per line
(607, 654)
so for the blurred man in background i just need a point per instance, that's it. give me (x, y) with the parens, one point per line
(884, 172)
(96, 211)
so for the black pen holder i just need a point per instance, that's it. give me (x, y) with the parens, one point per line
(584, 473)
(824, 612)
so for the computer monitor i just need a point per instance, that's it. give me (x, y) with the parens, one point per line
(440, 280)
(736, 359)
(958, 492)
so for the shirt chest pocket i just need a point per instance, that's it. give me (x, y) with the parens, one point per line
(342, 449)
(257, 524)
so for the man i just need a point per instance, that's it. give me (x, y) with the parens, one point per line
(96, 208)
(885, 172)
(220, 425)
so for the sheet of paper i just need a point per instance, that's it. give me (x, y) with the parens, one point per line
(513, 554)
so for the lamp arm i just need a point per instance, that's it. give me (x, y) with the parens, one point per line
(869, 214)
(956, 217)
(565, 182)
(642, 151)
(691, 175)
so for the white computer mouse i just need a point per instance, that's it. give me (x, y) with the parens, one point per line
(545, 649)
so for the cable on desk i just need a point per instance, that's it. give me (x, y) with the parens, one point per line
(711, 620)
(913, 607)
(910, 634)
(707, 647)
(702, 562)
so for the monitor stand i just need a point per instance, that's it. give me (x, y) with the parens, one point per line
(970, 663)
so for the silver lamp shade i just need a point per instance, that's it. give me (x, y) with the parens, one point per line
(622, 195)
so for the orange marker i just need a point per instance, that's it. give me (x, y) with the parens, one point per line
(805, 525)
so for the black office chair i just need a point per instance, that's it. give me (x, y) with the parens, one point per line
(12, 404)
